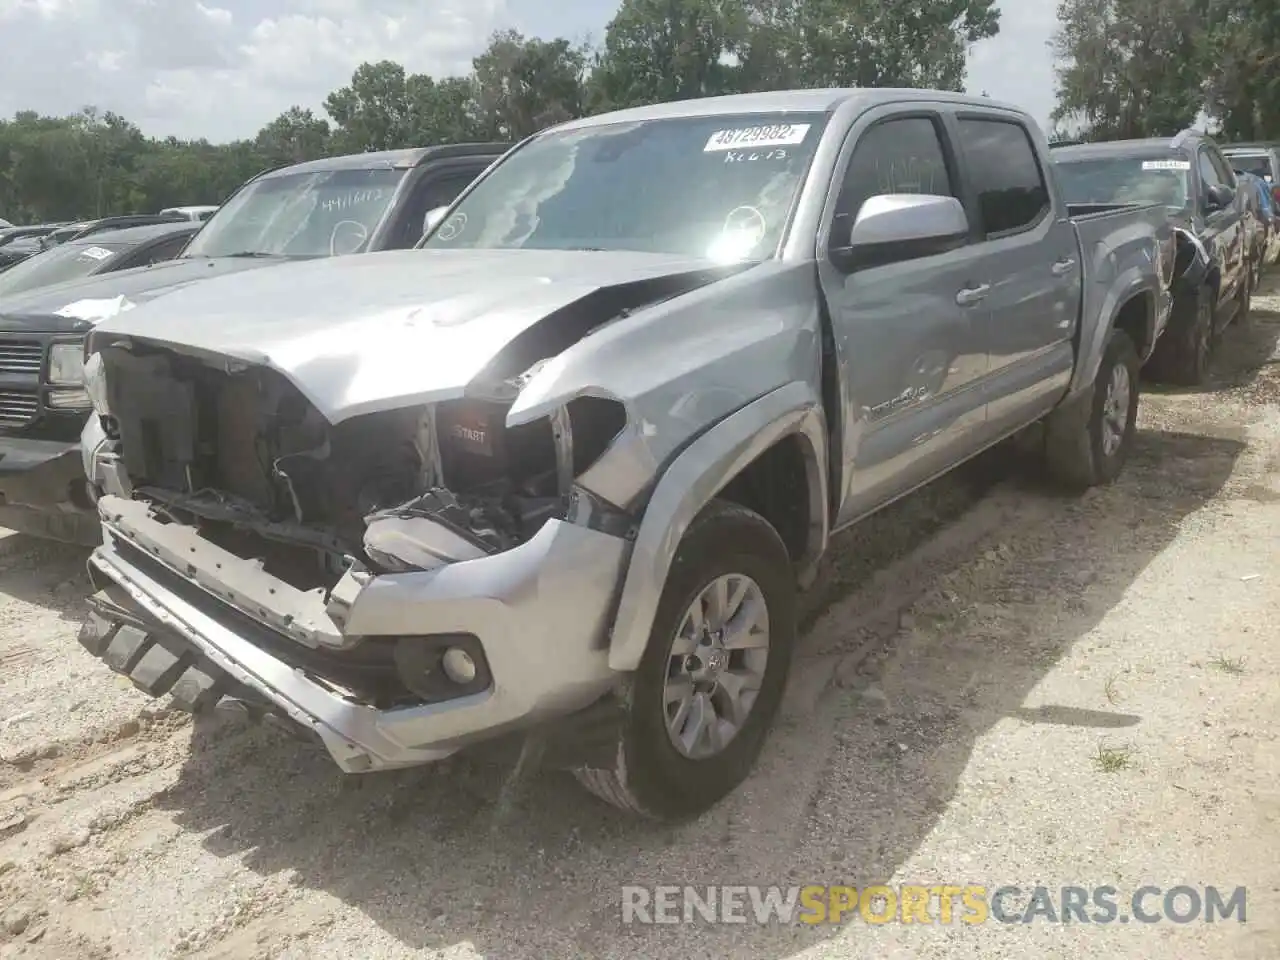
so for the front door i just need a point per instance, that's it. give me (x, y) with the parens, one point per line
(1223, 229)
(909, 333)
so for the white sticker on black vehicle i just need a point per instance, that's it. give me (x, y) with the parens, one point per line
(96, 253)
(1166, 164)
(769, 135)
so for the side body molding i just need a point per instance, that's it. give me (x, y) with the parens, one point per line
(694, 478)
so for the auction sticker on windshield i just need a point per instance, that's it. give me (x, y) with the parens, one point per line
(1166, 164)
(773, 135)
(96, 253)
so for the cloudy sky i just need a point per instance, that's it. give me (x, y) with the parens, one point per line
(222, 68)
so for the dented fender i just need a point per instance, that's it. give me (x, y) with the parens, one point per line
(1193, 275)
(693, 479)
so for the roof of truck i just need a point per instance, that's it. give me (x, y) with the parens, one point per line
(405, 159)
(783, 101)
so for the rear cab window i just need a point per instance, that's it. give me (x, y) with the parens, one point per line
(1005, 173)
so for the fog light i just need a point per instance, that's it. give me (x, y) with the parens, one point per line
(458, 665)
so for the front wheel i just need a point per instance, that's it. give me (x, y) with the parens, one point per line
(699, 707)
(1087, 441)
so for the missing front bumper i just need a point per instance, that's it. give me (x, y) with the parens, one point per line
(539, 611)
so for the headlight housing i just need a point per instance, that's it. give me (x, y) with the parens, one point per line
(66, 375)
(66, 364)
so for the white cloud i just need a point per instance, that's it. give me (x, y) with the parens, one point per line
(1016, 65)
(222, 68)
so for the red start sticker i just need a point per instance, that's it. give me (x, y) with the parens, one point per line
(470, 430)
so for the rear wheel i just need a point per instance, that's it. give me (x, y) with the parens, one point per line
(699, 707)
(1182, 353)
(1087, 441)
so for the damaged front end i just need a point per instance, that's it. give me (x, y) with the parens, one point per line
(401, 582)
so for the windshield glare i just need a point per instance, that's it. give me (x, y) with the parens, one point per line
(318, 214)
(719, 187)
(1138, 180)
(66, 262)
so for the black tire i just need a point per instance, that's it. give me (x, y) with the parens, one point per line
(649, 776)
(1183, 351)
(1075, 446)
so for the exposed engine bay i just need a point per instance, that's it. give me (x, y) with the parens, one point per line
(238, 452)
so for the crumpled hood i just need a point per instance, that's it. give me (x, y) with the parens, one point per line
(384, 330)
(137, 286)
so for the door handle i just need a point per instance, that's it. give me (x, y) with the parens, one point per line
(1063, 267)
(971, 295)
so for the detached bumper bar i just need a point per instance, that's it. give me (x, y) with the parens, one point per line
(43, 491)
(538, 611)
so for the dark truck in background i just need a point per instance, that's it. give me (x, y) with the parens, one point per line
(339, 205)
(1192, 179)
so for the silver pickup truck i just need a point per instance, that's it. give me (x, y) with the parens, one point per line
(566, 466)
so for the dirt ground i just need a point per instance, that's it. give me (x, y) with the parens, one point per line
(998, 686)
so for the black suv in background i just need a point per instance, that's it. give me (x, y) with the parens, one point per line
(335, 206)
(1191, 177)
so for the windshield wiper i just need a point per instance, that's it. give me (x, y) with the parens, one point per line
(249, 253)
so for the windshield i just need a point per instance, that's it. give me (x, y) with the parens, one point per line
(1140, 180)
(1257, 164)
(720, 187)
(66, 262)
(317, 214)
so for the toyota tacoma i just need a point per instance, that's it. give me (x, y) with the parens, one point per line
(567, 466)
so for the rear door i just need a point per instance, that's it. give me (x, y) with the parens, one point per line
(1030, 259)
(912, 353)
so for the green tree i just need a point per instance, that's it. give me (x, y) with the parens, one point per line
(863, 43)
(372, 111)
(294, 136)
(1129, 68)
(1242, 43)
(442, 111)
(524, 85)
(656, 50)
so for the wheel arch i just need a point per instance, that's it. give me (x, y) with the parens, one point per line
(769, 439)
(1133, 306)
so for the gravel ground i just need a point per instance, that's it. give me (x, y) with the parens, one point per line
(997, 686)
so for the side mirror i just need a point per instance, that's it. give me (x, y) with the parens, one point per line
(1219, 197)
(433, 217)
(900, 226)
